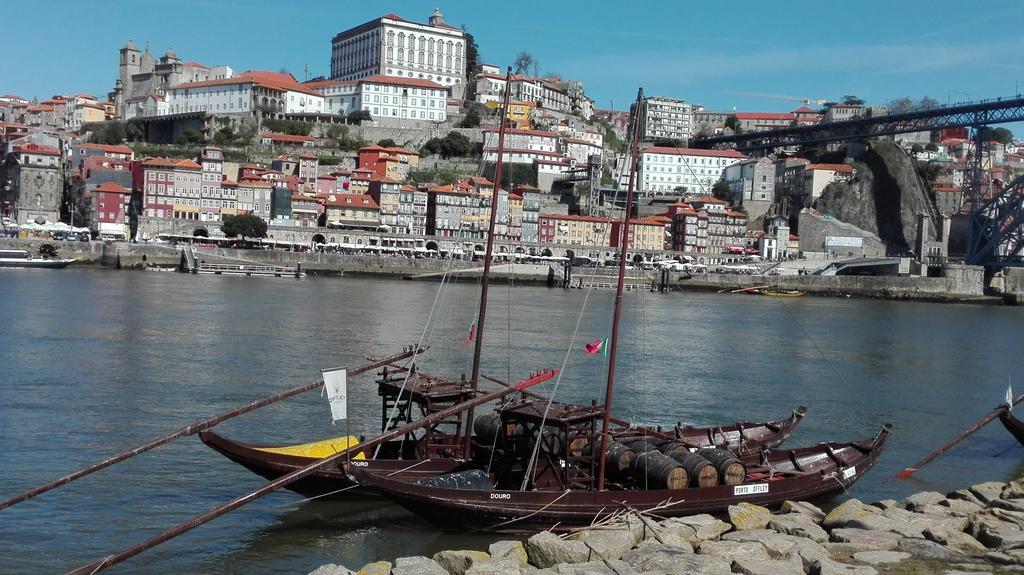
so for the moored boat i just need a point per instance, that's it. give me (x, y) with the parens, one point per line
(23, 259)
(782, 293)
(1012, 424)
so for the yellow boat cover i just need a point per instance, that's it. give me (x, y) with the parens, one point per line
(317, 449)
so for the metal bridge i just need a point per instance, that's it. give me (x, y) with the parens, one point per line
(996, 230)
(960, 115)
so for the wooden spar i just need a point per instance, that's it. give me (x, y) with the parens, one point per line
(960, 437)
(623, 241)
(284, 480)
(196, 428)
(482, 313)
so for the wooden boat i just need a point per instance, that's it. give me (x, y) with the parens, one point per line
(782, 293)
(783, 474)
(22, 259)
(273, 461)
(557, 465)
(1012, 424)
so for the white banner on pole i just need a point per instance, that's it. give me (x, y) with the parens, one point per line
(336, 386)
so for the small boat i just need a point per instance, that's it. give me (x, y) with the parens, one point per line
(782, 293)
(1012, 424)
(801, 474)
(273, 461)
(22, 259)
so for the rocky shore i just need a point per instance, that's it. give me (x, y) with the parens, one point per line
(978, 530)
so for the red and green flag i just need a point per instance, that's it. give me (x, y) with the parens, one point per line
(597, 347)
(472, 328)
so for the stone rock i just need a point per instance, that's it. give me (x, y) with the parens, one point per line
(878, 557)
(959, 572)
(376, 568)
(704, 526)
(751, 566)
(546, 549)
(887, 504)
(999, 558)
(803, 508)
(657, 559)
(417, 566)
(849, 510)
(331, 569)
(509, 549)
(1008, 504)
(609, 544)
(782, 546)
(733, 549)
(957, 539)
(965, 495)
(495, 566)
(923, 498)
(992, 532)
(596, 568)
(456, 562)
(829, 567)
(906, 523)
(746, 516)
(798, 525)
(924, 549)
(1013, 490)
(842, 551)
(962, 506)
(866, 540)
(988, 491)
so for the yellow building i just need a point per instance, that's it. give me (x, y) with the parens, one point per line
(351, 210)
(574, 230)
(644, 234)
(519, 113)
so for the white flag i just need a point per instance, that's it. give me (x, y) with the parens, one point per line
(336, 386)
(1009, 396)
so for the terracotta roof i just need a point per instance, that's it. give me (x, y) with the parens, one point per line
(371, 148)
(195, 64)
(399, 150)
(526, 132)
(694, 152)
(286, 138)
(833, 167)
(386, 180)
(574, 218)
(36, 149)
(171, 163)
(226, 183)
(764, 116)
(343, 200)
(525, 151)
(262, 78)
(108, 148)
(111, 187)
(805, 110)
(707, 200)
(408, 188)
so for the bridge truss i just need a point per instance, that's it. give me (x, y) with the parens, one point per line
(996, 230)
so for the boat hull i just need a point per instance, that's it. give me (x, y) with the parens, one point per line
(801, 474)
(330, 482)
(34, 263)
(1013, 425)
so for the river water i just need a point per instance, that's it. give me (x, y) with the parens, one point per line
(94, 361)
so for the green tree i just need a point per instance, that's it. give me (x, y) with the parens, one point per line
(472, 119)
(931, 147)
(721, 190)
(358, 116)
(927, 103)
(452, 145)
(472, 65)
(733, 123)
(668, 143)
(135, 130)
(1001, 135)
(851, 100)
(900, 105)
(191, 136)
(386, 143)
(244, 226)
(114, 133)
(916, 149)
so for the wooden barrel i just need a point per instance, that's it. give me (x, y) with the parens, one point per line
(551, 441)
(672, 447)
(640, 444)
(730, 470)
(579, 445)
(488, 427)
(652, 470)
(702, 473)
(619, 459)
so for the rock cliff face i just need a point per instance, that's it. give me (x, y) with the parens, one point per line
(885, 197)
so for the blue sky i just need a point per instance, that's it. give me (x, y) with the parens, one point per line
(698, 52)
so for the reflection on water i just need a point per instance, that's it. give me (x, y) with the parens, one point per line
(93, 362)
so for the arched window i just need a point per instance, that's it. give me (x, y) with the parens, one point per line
(391, 38)
(401, 40)
(458, 49)
(412, 56)
(39, 200)
(390, 54)
(448, 64)
(449, 52)
(401, 54)
(421, 56)
(423, 43)
(458, 62)
(430, 46)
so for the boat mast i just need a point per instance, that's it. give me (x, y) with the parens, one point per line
(484, 280)
(623, 237)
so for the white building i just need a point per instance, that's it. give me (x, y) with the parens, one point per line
(270, 94)
(665, 119)
(385, 97)
(751, 180)
(523, 146)
(666, 170)
(490, 87)
(393, 46)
